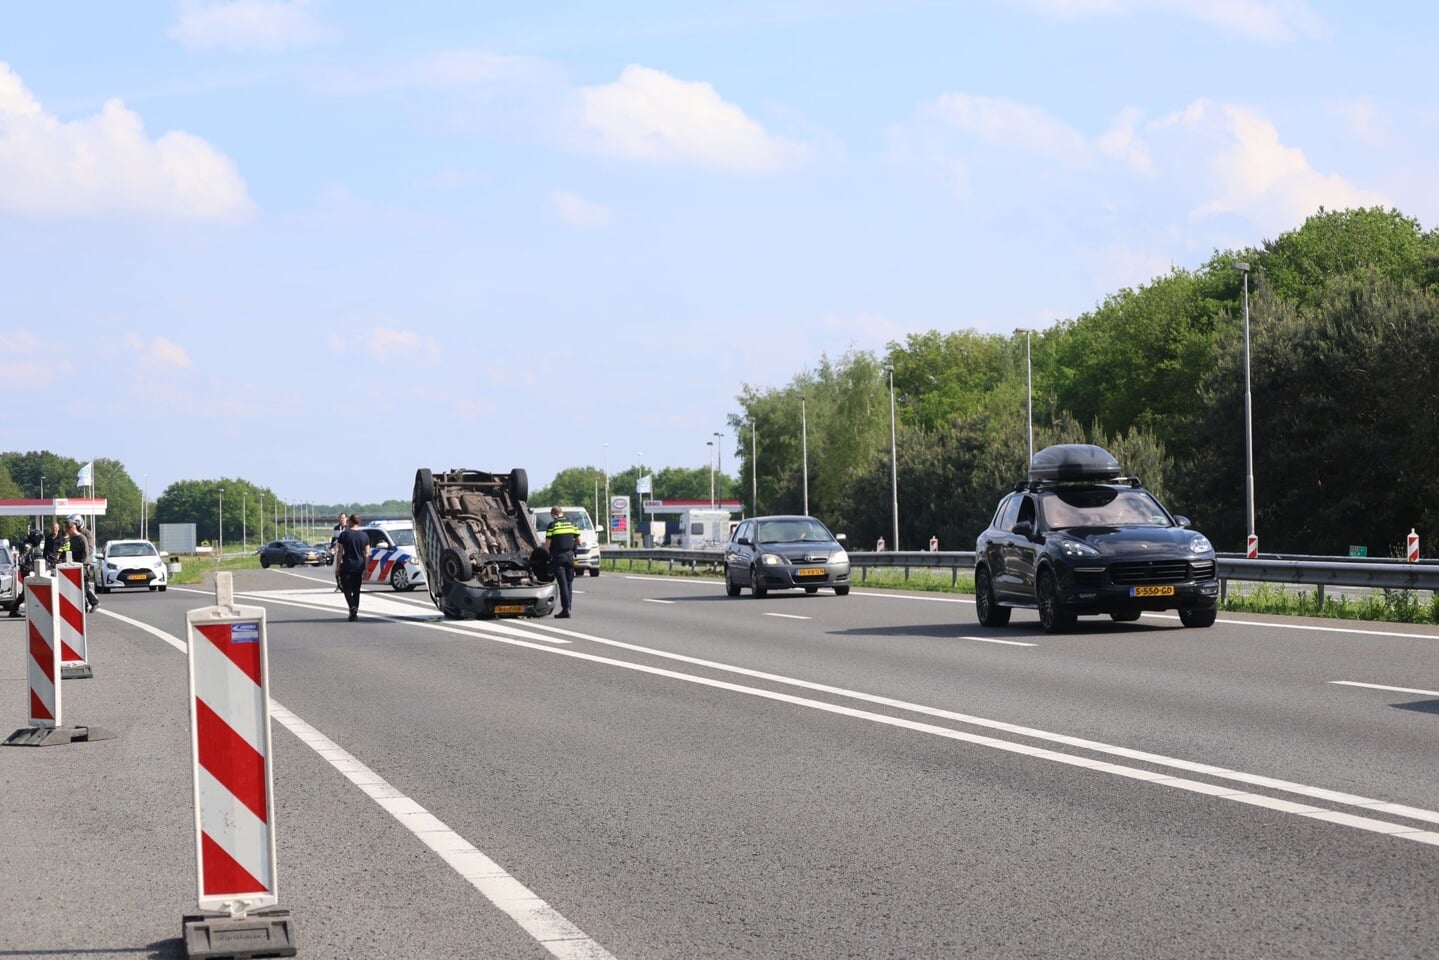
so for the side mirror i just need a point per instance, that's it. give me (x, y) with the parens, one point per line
(1182, 520)
(1025, 528)
(839, 537)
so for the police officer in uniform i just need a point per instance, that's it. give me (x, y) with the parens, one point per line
(561, 539)
(80, 552)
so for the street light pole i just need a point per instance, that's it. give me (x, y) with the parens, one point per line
(719, 466)
(244, 521)
(711, 445)
(893, 459)
(1029, 387)
(636, 515)
(804, 445)
(221, 552)
(753, 471)
(1252, 546)
(608, 538)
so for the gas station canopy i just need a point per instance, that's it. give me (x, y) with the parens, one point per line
(58, 507)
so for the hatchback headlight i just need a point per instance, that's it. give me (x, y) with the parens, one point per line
(1200, 544)
(771, 559)
(1075, 548)
(839, 557)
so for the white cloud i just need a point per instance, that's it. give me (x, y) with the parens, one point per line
(1237, 161)
(268, 26)
(386, 343)
(159, 354)
(27, 362)
(649, 115)
(999, 122)
(1274, 21)
(579, 212)
(105, 165)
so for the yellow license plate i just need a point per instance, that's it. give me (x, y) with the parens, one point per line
(136, 576)
(509, 608)
(1165, 591)
(809, 572)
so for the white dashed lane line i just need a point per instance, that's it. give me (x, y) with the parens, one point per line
(1380, 686)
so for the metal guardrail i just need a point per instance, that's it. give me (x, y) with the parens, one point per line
(1320, 572)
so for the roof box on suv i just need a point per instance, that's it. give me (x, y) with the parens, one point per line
(1073, 461)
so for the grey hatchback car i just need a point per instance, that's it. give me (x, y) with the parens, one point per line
(785, 553)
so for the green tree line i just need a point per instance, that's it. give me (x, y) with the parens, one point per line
(1344, 370)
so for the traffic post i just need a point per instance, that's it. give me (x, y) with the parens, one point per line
(43, 674)
(233, 785)
(1252, 548)
(71, 621)
(1411, 546)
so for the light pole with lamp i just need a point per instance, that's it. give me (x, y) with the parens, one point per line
(606, 513)
(711, 445)
(1252, 546)
(1029, 387)
(637, 514)
(244, 521)
(719, 468)
(42, 486)
(804, 446)
(893, 460)
(221, 552)
(753, 471)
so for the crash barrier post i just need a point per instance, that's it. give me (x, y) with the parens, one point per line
(1251, 550)
(42, 672)
(71, 621)
(233, 784)
(1412, 546)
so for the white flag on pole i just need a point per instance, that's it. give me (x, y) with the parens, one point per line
(86, 476)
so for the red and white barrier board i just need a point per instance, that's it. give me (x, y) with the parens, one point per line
(43, 660)
(230, 751)
(1252, 548)
(70, 620)
(1411, 546)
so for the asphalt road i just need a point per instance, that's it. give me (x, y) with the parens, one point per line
(673, 773)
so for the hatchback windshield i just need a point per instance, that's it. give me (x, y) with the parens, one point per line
(798, 530)
(1101, 507)
(132, 550)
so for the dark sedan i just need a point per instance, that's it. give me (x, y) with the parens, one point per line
(289, 553)
(785, 553)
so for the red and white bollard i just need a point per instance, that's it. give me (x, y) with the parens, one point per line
(233, 781)
(42, 673)
(1252, 549)
(1412, 546)
(70, 620)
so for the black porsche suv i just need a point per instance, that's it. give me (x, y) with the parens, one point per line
(1077, 538)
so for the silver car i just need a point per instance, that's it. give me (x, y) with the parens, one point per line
(785, 553)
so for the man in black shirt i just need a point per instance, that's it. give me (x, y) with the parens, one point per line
(352, 553)
(80, 553)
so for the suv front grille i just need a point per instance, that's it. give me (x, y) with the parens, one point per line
(1203, 569)
(1149, 571)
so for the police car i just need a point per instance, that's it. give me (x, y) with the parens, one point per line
(393, 557)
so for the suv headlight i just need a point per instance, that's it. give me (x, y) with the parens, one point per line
(1075, 548)
(1200, 544)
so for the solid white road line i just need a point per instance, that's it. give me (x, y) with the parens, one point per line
(653, 600)
(1380, 686)
(1012, 643)
(788, 616)
(540, 920)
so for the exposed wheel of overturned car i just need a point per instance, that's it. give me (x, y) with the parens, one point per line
(455, 564)
(520, 484)
(424, 487)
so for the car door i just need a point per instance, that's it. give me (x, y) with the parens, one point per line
(1021, 552)
(738, 553)
(994, 541)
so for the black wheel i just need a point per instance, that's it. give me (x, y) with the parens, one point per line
(842, 590)
(594, 571)
(1198, 616)
(1047, 596)
(265, 563)
(162, 588)
(153, 588)
(986, 607)
(811, 589)
(104, 589)
(398, 580)
(731, 588)
(520, 484)
(289, 561)
(1125, 616)
(756, 587)
(455, 565)
(424, 488)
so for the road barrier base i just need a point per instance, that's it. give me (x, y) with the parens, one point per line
(76, 671)
(55, 736)
(264, 933)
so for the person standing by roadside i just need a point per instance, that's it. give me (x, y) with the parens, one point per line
(80, 553)
(352, 553)
(54, 544)
(335, 546)
(561, 539)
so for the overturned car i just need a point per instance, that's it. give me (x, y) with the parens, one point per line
(482, 556)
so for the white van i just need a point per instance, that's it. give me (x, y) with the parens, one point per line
(587, 554)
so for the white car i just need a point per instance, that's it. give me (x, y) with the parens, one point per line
(393, 559)
(129, 563)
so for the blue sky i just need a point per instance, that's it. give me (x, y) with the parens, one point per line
(319, 244)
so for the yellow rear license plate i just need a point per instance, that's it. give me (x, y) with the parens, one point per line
(1165, 591)
(509, 608)
(136, 576)
(809, 572)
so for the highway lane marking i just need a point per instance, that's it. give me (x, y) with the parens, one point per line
(1380, 686)
(653, 600)
(788, 616)
(1317, 793)
(536, 917)
(1012, 643)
